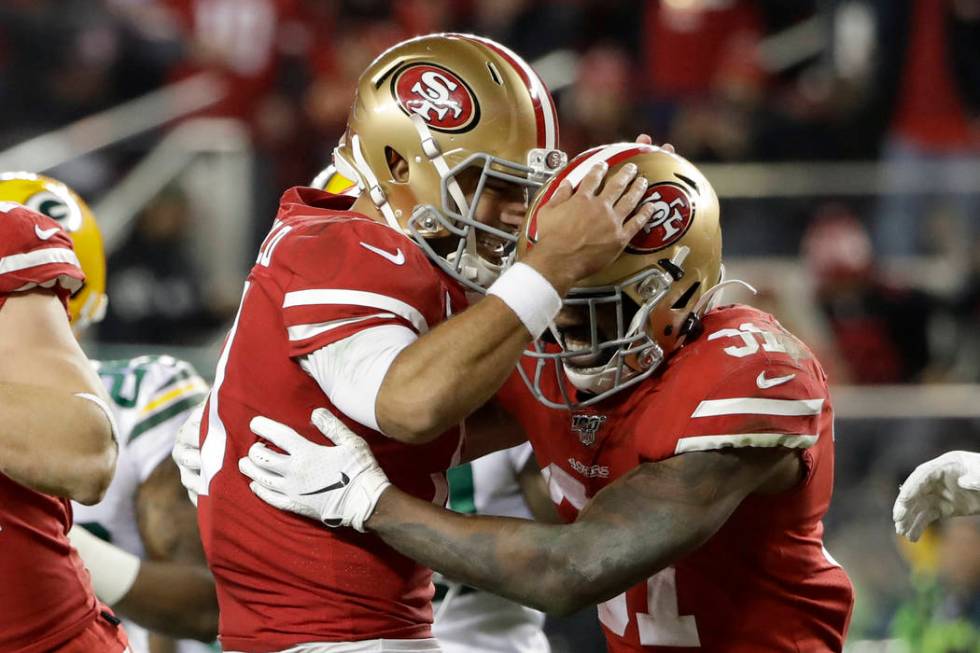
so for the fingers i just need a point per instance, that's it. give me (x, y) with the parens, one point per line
(635, 223)
(562, 193)
(969, 481)
(268, 459)
(920, 523)
(667, 147)
(616, 184)
(627, 203)
(593, 178)
(278, 434)
(644, 139)
(274, 499)
(187, 459)
(332, 428)
(513, 214)
(260, 476)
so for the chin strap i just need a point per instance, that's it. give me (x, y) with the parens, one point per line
(361, 173)
(432, 151)
(712, 297)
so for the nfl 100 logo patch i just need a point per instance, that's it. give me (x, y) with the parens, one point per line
(587, 426)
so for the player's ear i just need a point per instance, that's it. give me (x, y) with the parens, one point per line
(397, 165)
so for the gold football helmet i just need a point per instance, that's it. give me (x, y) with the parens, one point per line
(448, 104)
(617, 326)
(55, 200)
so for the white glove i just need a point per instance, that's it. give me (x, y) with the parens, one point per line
(338, 485)
(187, 453)
(947, 486)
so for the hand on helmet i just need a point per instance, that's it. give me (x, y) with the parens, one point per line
(187, 453)
(337, 485)
(947, 486)
(581, 231)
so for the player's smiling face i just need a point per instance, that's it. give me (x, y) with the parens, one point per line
(575, 331)
(501, 205)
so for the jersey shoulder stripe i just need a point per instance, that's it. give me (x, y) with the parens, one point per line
(173, 410)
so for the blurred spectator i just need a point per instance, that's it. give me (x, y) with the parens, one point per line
(156, 295)
(943, 616)
(881, 330)
(928, 95)
(702, 75)
(596, 108)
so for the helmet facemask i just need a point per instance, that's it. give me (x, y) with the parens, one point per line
(474, 251)
(619, 361)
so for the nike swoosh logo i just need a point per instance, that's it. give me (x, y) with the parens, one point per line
(342, 483)
(45, 234)
(764, 383)
(398, 258)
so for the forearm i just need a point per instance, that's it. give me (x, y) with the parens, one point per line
(174, 599)
(68, 452)
(555, 568)
(445, 375)
(515, 558)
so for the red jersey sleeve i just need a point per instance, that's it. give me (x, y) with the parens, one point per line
(746, 383)
(343, 275)
(35, 252)
(758, 404)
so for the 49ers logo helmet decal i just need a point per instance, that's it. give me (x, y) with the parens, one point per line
(673, 213)
(438, 95)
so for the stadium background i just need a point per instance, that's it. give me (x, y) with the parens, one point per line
(843, 137)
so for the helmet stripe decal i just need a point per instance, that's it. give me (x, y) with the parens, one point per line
(545, 113)
(576, 170)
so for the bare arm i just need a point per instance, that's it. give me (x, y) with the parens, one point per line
(439, 379)
(174, 592)
(535, 492)
(489, 429)
(50, 440)
(640, 524)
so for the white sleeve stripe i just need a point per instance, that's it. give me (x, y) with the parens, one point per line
(37, 258)
(752, 406)
(304, 331)
(338, 296)
(711, 442)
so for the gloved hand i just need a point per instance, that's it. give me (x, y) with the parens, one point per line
(947, 486)
(338, 485)
(187, 453)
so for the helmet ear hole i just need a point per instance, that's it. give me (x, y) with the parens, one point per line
(397, 165)
(684, 299)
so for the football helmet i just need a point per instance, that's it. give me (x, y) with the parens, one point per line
(449, 104)
(632, 314)
(55, 200)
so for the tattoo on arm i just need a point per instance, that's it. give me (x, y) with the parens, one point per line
(638, 525)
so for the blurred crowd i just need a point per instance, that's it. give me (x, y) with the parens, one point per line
(725, 81)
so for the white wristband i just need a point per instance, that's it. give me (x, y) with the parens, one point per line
(528, 294)
(113, 570)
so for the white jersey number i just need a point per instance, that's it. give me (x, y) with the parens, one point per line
(662, 625)
(750, 334)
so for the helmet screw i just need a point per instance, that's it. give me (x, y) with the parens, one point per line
(553, 160)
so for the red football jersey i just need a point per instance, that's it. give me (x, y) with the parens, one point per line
(46, 596)
(322, 274)
(763, 582)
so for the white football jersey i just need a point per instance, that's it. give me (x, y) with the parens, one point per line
(469, 620)
(151, 397)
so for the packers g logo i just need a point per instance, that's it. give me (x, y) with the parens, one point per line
(438, 95)
(673, 213)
